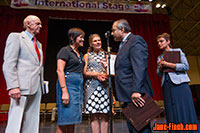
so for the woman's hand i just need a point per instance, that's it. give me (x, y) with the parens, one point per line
(162, 63)
(104, 62)
(65, 98)
(102, 77)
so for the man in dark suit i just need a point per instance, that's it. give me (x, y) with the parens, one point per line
(131, 68)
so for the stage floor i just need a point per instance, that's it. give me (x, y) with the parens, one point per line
(119, 126)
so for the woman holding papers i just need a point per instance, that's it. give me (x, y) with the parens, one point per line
(69, 86)
(96, 93)
(179, 106)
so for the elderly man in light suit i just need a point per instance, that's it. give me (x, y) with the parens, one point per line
(23, 72)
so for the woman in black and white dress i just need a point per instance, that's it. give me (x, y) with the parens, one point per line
(96, 93)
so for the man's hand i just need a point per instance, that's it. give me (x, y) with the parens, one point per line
(15, 93)
(137, 99)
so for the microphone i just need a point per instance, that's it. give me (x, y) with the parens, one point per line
(107, 34)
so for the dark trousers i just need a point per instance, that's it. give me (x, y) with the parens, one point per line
(131, 129)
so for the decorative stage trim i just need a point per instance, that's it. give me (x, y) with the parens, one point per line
(86, 5)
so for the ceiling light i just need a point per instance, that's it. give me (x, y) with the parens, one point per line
(158, 5)
(163, 5)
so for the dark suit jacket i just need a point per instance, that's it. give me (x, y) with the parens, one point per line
(131, 69)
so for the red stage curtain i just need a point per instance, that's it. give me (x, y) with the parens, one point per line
(148, 26)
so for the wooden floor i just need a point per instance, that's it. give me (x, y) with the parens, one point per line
(119, 126)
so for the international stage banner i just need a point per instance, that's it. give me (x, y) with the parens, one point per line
(108, 6)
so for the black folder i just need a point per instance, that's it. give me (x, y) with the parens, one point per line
(140, 117)
(173, 57)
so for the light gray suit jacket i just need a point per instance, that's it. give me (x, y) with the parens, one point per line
(21, 65)
(180, 76)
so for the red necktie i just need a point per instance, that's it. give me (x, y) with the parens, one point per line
(36, 48)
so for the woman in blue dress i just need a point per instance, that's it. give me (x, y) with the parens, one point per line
(69, 86)
(178, 102)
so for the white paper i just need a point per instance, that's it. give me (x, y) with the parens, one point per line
(112, 63)
(46, 87)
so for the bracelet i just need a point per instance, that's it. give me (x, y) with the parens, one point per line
(62, 87)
